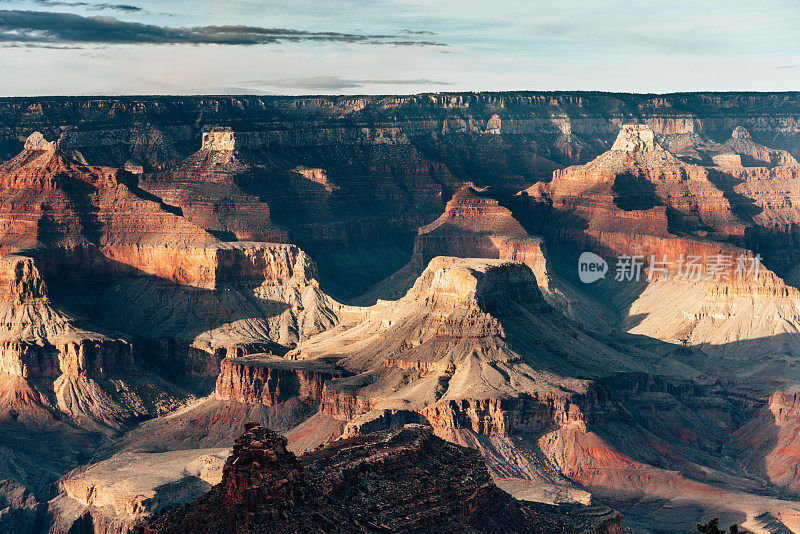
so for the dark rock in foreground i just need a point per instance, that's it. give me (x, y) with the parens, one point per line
(403, 480)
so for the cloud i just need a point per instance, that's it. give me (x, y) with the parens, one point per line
(335, 83)
(418, 32)
(787, 67)
(58, 28)
(101, 6)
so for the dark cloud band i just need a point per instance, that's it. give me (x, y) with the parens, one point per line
(101, 6)
(67, 28)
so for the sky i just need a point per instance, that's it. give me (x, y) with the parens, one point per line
(294, 47)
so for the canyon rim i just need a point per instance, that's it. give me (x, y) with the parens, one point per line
(360, 267)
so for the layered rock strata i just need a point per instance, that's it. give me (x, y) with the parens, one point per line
(39, 340)
(270, 380)
(204, 188)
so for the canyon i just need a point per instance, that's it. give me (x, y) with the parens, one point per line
(391, 286)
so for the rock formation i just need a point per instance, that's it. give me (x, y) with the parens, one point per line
(122, 490)
(204, 188)
(83, 225)
(174, 291)
(401, 480)
(473, 225)
(756, 155)
(635, 138)
(270, 380)
(639, 187)
(111, 298)
(648, 204)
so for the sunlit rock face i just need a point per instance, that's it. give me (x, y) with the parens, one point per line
(205, 189)
(649, 203)
(635, 138)
(37, 142)
(39, 340)
(754, 154)
(472, 226)
(640, 188)
(219, 140)
(161, 292)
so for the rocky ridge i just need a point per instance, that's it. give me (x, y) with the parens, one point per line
(363, 484)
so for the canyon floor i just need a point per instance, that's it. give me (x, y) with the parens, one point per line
(391, 288)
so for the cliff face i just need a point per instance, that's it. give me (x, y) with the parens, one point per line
(39, 340)
(472, 226)
(123, 260)
(203, 187)
(393, 160)
(117, 125)
(416, 482)
(270, 380)
(638, 187)
(755, 154)
(640, 200)
(471, 346)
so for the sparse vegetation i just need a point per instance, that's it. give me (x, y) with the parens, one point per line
(712, 527)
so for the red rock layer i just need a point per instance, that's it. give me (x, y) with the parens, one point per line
(204, 188)
(638, 187)
(756, 155)
(505, 417)
(475, 225)
(471, 226)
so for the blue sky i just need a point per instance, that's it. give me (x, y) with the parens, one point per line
(395, 46)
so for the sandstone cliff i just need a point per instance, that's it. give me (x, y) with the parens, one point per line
(393, 159)
(204, 188)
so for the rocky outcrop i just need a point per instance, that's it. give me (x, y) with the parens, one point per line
(136, 484)
(754, 154)
(506, 417)
(473, 225)
(436, 351)
(642, 189)
(126, 260)
(318, 176)
(219, 140)
(270, 380)
(204, 189)
(265, 489)
(38, 340)
(635, 138)
(53, 199)
(42, 166)
(217, 265)
(114, 495)
(124, 242)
